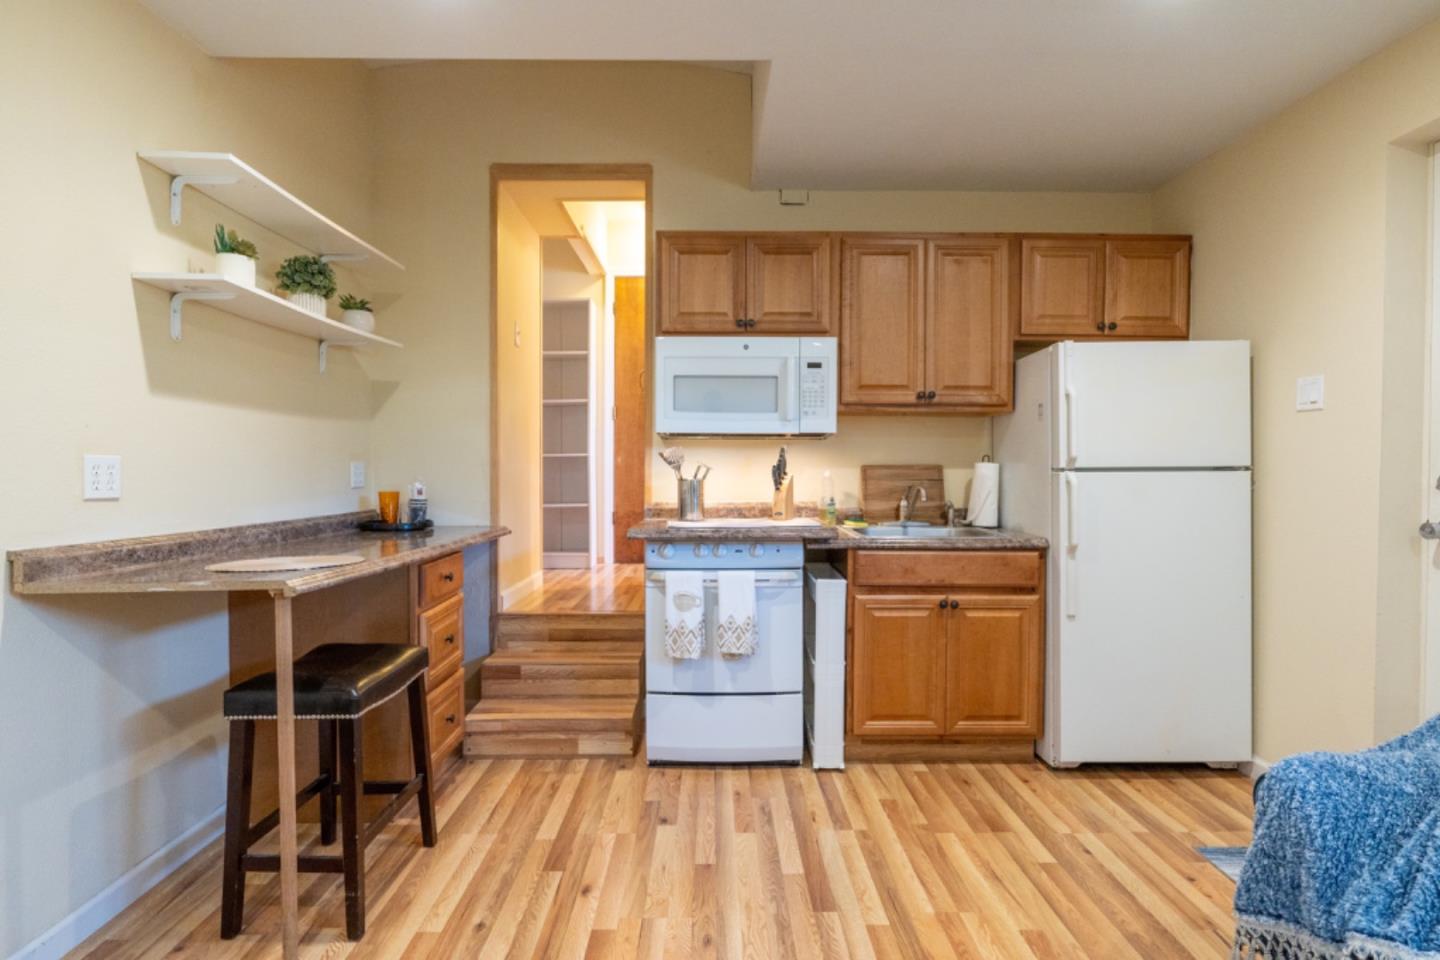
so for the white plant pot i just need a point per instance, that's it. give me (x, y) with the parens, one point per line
(309, 302)
(236, 267)
(359, 319)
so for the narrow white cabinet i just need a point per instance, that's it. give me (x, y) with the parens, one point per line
(567, 456)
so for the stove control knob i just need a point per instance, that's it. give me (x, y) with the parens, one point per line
(666, 551)
(756, 550)
(699, 550)
(717, 551)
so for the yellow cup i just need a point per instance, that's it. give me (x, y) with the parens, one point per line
(390, 506)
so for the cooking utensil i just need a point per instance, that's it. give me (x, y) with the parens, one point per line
(674, 457)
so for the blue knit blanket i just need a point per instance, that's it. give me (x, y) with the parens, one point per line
(1345, 864)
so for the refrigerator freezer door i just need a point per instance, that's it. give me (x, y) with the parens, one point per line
(1153, 405)
(1149, 634)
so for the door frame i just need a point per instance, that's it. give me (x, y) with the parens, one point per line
(1430, 650)
(505, 172)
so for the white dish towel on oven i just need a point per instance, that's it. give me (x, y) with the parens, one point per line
(684, 614)
(736, 634)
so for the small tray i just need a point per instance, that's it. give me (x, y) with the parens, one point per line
(380, 526)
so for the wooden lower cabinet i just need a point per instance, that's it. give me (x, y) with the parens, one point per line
(955, 661)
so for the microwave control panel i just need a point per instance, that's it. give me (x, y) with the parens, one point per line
(813, 380)
(818, 386)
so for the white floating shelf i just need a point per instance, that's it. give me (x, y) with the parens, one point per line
(255, 304)
(566, 353)
(565, 506)
(239, 186)
(565, 403)
(566, 456)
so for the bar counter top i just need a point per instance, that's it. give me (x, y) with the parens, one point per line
(176, 562)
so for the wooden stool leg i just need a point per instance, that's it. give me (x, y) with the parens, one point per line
(237, 827)
(420, 748)
(352, 790)
(327, 770)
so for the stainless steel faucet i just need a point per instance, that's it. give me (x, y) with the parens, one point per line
(907, 502)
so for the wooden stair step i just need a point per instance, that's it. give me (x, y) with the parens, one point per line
(560, 673)
(553, 715)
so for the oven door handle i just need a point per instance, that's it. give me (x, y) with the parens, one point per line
(761, 579)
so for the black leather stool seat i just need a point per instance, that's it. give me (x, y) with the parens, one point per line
(335, 681)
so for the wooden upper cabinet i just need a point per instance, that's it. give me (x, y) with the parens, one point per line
(993, 651)
(789, 285)
(898, 666)
(882, 305)
(1147, 288)
(968, 336)
(1062, 287)
(702, 283)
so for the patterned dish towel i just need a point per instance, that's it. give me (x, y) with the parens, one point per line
(1346, 859)
(684, 614)
(735, 632)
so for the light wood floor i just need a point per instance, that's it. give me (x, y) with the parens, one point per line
(608, 858)
(610, 588)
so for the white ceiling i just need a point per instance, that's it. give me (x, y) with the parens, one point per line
(900, 94)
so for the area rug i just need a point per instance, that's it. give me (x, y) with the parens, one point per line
(1228, 860)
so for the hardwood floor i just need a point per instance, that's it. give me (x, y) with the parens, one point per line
(611, 588)
(609, 858)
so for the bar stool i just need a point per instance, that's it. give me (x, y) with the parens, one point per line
(336, 684)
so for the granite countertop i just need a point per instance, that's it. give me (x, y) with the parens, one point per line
(833, 538)
(176, 562)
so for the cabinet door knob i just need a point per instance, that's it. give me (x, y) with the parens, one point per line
(750, 323)
(450, 718)
(1100, 326)
(450, 639)
(930, 395)
(954, 604)
(942, 603)
(448, 577)
(740, 322)
(1111, 325)
(919, 394)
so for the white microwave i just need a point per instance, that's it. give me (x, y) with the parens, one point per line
(745, 386)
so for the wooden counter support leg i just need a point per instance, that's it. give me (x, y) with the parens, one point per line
(285, 757)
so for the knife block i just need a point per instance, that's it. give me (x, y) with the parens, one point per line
(783, 507)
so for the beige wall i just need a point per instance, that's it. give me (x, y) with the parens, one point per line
(440, 125)
(111, 743)
(518, 269)
(1309, 241)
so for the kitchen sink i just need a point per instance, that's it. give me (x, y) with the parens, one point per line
(922, 531)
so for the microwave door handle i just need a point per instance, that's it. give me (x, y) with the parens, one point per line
(789, 391)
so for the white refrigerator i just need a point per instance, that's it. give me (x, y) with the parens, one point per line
(1133, 459)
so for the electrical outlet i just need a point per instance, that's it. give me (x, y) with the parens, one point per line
(102, 477)
(357, 474)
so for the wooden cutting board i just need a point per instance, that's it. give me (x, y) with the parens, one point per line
(278, 564)
(882, 486)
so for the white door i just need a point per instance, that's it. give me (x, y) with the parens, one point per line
(1151, 635)
(1153, 404)
(1431, 553)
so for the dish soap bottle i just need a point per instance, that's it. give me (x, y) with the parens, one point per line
(829, 513)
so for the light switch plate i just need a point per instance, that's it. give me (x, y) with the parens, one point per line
(1310, 393)
(357, 474)
(102, 477)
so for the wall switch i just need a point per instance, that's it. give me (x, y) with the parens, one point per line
(102, 477)
(357, 474)
(1310, 393)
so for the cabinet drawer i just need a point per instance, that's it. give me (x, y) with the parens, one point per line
(447, 715)
(442, 631)
(441, 578)
(947, 570)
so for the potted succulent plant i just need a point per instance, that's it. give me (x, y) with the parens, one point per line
(356, 312)
(234, 256)
(308, 282)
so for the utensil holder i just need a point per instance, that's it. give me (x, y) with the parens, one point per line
(691, 499)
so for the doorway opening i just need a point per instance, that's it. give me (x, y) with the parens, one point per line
(571, 256)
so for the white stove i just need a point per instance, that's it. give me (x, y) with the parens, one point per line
(721, 709)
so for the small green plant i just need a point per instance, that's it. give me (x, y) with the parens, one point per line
(306, 275)
(232, 242)
(351, 302)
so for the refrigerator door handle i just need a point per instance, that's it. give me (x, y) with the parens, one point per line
(1072, 540)
(1072, 413)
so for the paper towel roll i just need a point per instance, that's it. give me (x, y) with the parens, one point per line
(984, 509)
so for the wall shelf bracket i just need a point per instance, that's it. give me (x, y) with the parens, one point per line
(324, 353)
(177, 300)
(178, 184)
